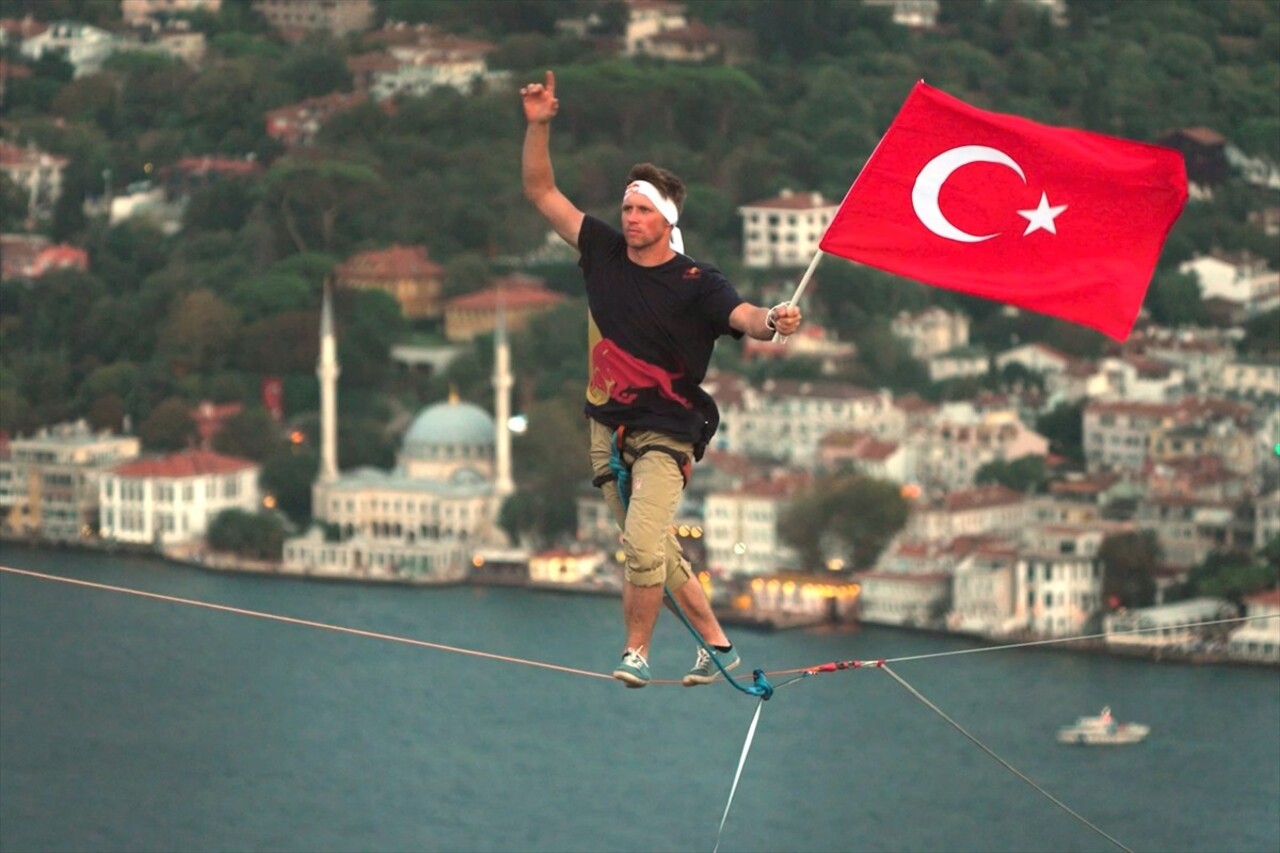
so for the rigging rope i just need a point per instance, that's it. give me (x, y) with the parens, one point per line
(762, 688)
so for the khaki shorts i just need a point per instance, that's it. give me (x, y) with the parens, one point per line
(653, 555)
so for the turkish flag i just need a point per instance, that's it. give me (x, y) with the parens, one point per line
(1059, 221)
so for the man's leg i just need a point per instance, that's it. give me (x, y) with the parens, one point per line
(692, 598)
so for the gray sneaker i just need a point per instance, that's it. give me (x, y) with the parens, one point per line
(705, 670)
(634, 669)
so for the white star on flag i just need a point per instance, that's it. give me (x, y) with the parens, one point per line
(1042, 217)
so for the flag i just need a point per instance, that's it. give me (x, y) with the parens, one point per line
(1055, 220)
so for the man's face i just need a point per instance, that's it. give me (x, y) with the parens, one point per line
(642, 224)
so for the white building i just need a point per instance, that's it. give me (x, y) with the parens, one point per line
(983, 593)
(786, 419)
(1241, 278)
(959, 363)
(906, 600)
(648, 18)
(1167, 626)
(1266, 519)
(422, 520)
(931, 332)
(172, 499)
(85, 47)
(49, 481)
(37, 173)
(968, 512)
(1117, 433)
(143, 11)
(741, 527)
(1056, 594)
(784, 231)
(949, 453)
(1259, 638)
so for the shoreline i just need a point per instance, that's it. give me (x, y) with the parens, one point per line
(764, 622)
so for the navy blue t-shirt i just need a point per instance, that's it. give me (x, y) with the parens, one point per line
(653, 333)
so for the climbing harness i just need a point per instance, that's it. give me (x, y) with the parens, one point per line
(620, 472)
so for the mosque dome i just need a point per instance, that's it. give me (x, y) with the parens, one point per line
(449, 424)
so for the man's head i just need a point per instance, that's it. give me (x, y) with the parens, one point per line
(651, 207)
(667, 182)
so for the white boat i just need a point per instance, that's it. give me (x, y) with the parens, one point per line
(1102, 730)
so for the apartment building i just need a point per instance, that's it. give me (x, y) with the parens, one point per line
(784, 231)
(49, 480)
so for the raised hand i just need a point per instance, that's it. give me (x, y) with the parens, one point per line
(540, 104)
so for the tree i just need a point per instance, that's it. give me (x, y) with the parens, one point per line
(247, 534)
(1231, 575)
(1129, 563)
(251, 434)
(861, 512)
(169, 426)
(310, 198)
(1064, 427)
(288, 475)
(199, 334)
(1025, 474)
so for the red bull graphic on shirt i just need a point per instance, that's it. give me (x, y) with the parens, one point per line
(618, 375)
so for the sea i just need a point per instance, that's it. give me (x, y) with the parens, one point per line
(132, 723)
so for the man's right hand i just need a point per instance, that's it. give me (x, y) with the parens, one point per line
(540, 104)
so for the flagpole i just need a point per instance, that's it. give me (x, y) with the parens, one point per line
(778, 337)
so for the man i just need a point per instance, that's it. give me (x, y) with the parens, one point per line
(654, 318)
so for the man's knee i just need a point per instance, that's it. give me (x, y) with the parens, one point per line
(646, 564)
(651, 576)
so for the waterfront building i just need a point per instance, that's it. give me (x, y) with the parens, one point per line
(983, 592)
(49, 481)
(171, 500)
(1259, 638)
(742, 534)
(1058, 578)
(425, 519)
(917, 600)
(1168, 627)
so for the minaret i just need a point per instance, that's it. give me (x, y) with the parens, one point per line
(502, 382)
(328, 371)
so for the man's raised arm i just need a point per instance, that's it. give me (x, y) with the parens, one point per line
(540, 106)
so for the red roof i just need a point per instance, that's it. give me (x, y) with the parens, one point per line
(513, 292)
(393, 263)
(189, 463)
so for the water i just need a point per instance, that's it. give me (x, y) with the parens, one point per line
(129, 723)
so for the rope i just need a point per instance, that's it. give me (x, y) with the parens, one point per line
(1015, 771)
(742, 760)
(761, 688)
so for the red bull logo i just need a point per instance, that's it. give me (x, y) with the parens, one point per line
(619, 375)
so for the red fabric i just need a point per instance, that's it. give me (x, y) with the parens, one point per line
(1089, 263)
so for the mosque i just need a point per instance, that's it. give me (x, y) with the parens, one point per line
(421, 521)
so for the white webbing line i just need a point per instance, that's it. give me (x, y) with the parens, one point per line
(742, 760)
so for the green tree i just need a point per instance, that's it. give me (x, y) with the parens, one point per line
(1025, 474)
(288, 475)
(1129, 563)
(169, 426)
(246, 534)
(1064, 427)
(309, 199)
(199, 334)
(1231, 575)
(250, 434)
(863, 513)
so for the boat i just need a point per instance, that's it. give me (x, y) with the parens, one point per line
(1102, 730)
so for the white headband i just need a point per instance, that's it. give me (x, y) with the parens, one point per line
(664, 205)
